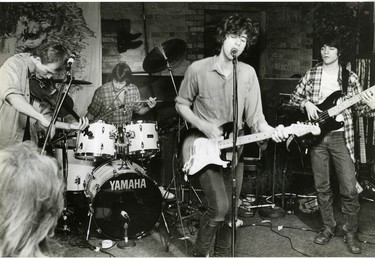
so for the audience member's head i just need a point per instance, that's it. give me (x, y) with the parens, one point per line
(31, 200)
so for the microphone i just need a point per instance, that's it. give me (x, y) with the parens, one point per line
(124, 214)
(71, 60)
(234, 52)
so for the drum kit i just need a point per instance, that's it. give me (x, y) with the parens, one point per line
(106, 165)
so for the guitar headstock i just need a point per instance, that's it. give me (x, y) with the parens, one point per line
(300, 129)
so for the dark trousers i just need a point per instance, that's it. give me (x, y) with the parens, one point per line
(333, 149)
(216, 185)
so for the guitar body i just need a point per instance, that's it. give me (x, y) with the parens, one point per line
(329, 124)
(326, 122)
(197, 151)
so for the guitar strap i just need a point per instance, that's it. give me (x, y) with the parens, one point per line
(26, 135)
(344, 79)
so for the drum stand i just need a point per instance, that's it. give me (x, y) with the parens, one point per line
(185, 209)
(91, 212)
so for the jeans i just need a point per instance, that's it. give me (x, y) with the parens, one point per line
(332, 148)
(217, 187)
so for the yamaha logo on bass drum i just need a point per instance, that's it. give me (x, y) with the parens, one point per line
(128, 184)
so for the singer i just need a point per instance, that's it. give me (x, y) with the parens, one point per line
(22, 116)
(205, 101)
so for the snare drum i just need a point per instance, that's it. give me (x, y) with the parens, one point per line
(143, 139)
(122, 186)
(100, 144)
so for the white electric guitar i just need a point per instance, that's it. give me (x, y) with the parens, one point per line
(197, 151)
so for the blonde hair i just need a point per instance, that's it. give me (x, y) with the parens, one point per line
(31, 200)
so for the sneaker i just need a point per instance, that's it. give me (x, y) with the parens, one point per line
(166, 194)
(239, 223)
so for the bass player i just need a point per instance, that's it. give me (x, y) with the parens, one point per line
(336, 146)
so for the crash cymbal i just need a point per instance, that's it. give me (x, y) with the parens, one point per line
(171, 50)
(73, 81)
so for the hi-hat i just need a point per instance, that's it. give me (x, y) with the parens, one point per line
(73, 81)
(171, 50)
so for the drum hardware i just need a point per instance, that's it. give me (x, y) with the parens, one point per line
(90, 214)
(157, 60)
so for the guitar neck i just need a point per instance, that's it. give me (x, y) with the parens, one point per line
(224, 144)
(362, 145)
(347, 103)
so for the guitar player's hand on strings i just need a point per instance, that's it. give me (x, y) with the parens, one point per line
(312, 111)
(369, 99)
(210, 130)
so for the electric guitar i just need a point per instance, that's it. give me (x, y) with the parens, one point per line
(327, 119)
(197, 151)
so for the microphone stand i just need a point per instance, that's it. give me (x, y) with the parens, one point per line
(61, 98)
(126, 243)
(234, 151)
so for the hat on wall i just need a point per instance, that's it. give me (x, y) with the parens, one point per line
(125, 41)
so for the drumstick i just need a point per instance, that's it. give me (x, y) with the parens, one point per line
(145, 101)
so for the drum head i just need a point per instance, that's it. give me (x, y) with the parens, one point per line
(133, 193)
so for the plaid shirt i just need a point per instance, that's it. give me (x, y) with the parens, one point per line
(308, 89)
(106, 102)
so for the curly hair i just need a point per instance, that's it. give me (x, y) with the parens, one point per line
(31, 200)
(236, 24)
(52, 54)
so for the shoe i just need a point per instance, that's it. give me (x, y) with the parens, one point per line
(323, 237)
(239, 223)
(166, 194)
(352, 243)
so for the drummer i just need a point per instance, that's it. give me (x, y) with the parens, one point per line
(115, 102)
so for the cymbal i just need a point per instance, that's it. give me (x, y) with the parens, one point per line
(171, 50)
(73, 81)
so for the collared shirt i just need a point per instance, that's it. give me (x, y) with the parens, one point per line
(210, 93)
(308, 89)
(14, 80)
(106, 104)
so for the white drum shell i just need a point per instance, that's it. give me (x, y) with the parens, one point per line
(101, 144)
(77, 170)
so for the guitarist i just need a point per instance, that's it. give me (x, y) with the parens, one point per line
(205, 101)
(337, 146)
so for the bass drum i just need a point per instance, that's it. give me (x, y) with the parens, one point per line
(119, 186)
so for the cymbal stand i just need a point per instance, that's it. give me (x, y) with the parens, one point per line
(172, 79)
(178, 186)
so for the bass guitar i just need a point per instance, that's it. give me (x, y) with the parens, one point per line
(197, 151)
(327, 120)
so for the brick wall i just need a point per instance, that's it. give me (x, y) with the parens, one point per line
(287, 49)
